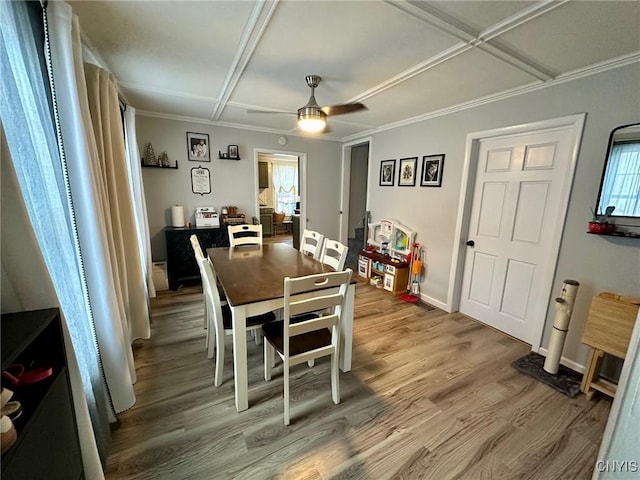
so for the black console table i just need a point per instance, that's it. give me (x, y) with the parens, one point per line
(47, 444)
(181, 263)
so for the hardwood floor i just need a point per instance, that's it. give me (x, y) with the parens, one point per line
(431, 396)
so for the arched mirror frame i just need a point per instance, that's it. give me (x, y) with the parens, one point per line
(598, 208)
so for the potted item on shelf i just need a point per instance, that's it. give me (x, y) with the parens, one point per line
(602, 225)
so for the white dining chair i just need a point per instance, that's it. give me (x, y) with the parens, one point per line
(298, 341)
(311, 243)
(200, 258)
(220, 319)
(334, 254)
(245, 235)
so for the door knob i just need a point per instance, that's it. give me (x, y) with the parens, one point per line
(471, 243)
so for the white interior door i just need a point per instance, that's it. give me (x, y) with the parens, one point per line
(518, 209)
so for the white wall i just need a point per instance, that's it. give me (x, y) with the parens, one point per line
(599, 263)
(232, 182)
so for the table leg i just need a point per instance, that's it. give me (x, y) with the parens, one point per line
(346, 332)
(239, 319)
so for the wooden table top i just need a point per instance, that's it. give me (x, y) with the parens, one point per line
(252, 273)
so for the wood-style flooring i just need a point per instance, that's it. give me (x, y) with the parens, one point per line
(431, 396)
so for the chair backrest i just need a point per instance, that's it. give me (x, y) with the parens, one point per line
(314, 298)
(197, 250)
(311, 243)
(334, 254)
(245, 235)
(212, 295)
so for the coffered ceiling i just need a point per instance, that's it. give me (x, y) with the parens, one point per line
(212, 61)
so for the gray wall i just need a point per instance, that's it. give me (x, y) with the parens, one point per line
(599, 263)
(232, 182)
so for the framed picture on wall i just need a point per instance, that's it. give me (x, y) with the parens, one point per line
(387, 172)
(407, 172)
(198, 147)
(432, 166)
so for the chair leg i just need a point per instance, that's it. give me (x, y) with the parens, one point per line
(257, 336)
(268, 360)
(335, 379)
(205, 319)
(286, 392)
(217, 381)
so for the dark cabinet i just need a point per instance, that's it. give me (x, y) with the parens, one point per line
(47, 445)
(181, 262)
(263, 175)
(296, 231)
(266, 220)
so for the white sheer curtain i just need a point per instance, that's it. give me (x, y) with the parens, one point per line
(285, 186)
(621, 186)
(100, 233)
(137, 193)
(41, 174)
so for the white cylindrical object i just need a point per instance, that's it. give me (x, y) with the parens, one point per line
(556, 344)
(569, 292)
(177, 216)
(564, 309)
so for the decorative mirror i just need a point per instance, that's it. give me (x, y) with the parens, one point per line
(620, 185)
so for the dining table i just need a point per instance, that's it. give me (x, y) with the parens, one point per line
(252, 277)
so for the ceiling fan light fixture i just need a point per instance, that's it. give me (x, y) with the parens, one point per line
(311, 119)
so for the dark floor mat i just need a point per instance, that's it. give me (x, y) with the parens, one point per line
(565, 381)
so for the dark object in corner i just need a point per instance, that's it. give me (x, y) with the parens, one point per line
(565, 381)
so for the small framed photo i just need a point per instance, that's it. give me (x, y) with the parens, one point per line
(198, 147)
(232, 150)
(407, 172)
(387, 172)
(432, 166)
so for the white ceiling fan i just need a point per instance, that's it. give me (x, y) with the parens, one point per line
(312, 117)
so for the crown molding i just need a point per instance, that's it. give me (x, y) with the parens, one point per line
(239, 126)
(577, 74)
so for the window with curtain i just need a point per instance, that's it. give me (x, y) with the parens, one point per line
(621, 186)
(285, 186)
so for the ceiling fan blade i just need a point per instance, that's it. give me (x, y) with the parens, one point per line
(344, 108)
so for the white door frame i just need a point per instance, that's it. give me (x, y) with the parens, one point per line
(344, 186)
(574, 122)
(302, 161)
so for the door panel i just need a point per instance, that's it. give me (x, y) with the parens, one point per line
(515, 213)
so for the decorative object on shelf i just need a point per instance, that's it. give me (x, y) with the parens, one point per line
(149, 155)
(198, 147)
(163, 160)
(232, 151)
(432, 166)
(602, 225)
(207, 217)
(200, 180)
(387, 172)
(407, 172)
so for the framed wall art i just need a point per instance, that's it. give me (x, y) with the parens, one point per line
(198, 147)
(200, 180)
(407, 172)
(432, 166)
(232, 151)
(387, 172)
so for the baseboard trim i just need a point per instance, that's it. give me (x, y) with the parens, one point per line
(434, 302)
(565, 361)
